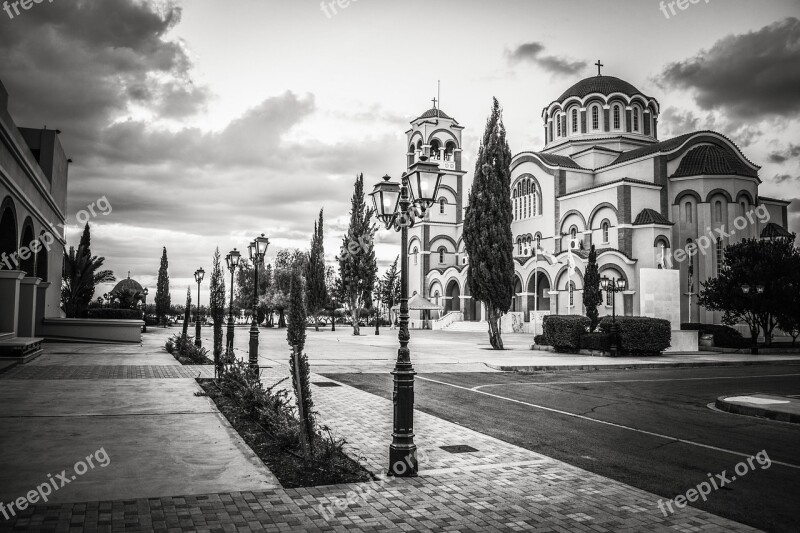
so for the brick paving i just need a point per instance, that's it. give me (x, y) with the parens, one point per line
(499, 487)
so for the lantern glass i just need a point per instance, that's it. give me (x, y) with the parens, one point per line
(198, 275)
(746, 289)
(145, 291)
(424, 179)
(251, 249)
(233, 259)
(604, 283)
(760, 289)
(621, 284)
(385, 197)
(262, 243)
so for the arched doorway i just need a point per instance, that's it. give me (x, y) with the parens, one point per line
(454, 297)
(27, 265)
(8, 235)
(540, 286)
(41, 259)
(516, 299)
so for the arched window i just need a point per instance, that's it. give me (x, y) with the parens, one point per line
(573, 231)
(635, 119)
(571, 293)
(442, 250)
(595, 118)
(719, 256)
(718, 211)
(574, 120)
(605, 226)
(519, 245)
(688, 212)
(538, 240)
(442, 203)
(558, 124)
(436, 297)
(609, 295)
(742, 209)
(617, 114)
(415, 253)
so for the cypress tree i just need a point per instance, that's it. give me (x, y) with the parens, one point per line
(592, 296)
(316, 292)
(217, 304)
(187, 312)
(163, 302)
(298, 361)
(487, 226)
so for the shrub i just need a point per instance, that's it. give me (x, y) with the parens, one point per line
(724, 336)
(541, 340)
(563, 332)
(639, 335)
(116, 314)
(184, 350)
(596, 341)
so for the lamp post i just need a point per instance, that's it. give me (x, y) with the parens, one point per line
(257, 250)
(232, 259)
(613, 286)
(198, 277)
(747, 290)
(396, 205)
(144, 309)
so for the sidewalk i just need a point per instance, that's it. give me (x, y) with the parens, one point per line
(176, 465)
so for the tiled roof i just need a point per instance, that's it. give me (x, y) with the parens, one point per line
(621, 180)
(434, 113)
(650, 216)
(712, 160)
(773, 230)
(599, 84)
(773, 200)
(554, 160)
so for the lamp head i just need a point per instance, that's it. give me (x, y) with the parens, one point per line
(145, 291)
(233, 259)
(198, 275)
(385, 199)
(746, 289)
(604, 281)
(621, 284)
(424, 179)
(262, 243)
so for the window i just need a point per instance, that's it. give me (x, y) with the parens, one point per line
(595, 118)
(436, 297)
(635, 119)
(538, 240)
(719, 256)
(743, 208)
(574, 120)
(558, 125)
(605, 231)
(519, 245)
(442, 203)
(573, 231)
(718, 211)
(415, 253)
(688, 210)
(609, 296)
(441, 255)
(571, 293)
(616, 117)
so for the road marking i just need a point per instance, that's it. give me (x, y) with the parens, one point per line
(575, 415)
(627, 380)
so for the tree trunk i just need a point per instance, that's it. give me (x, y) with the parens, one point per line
(354, 312)
(281, 319)
(316, 321)
(495, 338)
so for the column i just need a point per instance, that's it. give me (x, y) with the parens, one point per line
(9, 295)
(553, 302)
(41, 305)
(26, 326)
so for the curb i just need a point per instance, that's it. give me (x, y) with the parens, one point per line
(760, 412)
(623, 366)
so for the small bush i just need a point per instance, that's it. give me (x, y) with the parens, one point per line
(724, 336)
(541, 340)
(563, 332)
(596, 341)
(639, 335)
(184, 350)
(116, 314)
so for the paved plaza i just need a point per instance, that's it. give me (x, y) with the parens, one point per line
(175, 464)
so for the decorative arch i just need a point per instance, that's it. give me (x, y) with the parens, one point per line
(661, 239)
(746, 194)
(723, 192)
(562, 273)
(620, 272)
(445, 238)
(688, 192)
(25, 238)
(42, 269)
(415, 138)
(596, 209)
(567, 215)
(8, 229)
(453, 294)
(542, 272)
(414, 241)
(449, 189)
(446, 131)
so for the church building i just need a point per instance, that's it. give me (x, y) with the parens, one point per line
(603, 178)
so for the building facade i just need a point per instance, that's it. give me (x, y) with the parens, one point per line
(603, 178)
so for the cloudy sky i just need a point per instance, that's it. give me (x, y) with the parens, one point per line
(205, 123)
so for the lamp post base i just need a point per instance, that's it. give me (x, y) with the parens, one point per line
(229, 339)
(403, 460)
(254, 346)
(197, 341)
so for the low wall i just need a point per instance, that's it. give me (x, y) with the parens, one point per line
(91, 330)
(683, 341)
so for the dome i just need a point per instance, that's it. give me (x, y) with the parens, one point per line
(434, 113)
(599, 84)
(128, 283)
(712, 160)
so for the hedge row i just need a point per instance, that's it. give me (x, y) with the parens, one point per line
(596, 341)
(639, 335)
(563, 332)
(724, 336)
(118, 314)
(636, 335)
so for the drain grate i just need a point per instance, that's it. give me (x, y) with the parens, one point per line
(458, 448)
(325, 384)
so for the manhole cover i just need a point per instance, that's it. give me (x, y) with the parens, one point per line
(458, 448)
(325, 384)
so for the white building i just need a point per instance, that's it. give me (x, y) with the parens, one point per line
(603, 177)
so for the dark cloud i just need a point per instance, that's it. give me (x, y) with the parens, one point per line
(783, 178)
(794, 206)
(531, 53)
(749, 75)
(781, 156)
(674, 121)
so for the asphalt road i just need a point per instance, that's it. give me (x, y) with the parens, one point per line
(626, 425)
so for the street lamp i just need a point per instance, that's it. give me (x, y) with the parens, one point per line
(232, 259)
(396, 206)
(257, 250)
(144, 307)
(747, 290)
(198, 277)
(613, 286)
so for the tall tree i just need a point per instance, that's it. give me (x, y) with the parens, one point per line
(390, 288)
(316, 291)
(243, 298)
(85, 245)
(80, 274)
(217, 304)
(331, 287)
(771, 264)
(187, 313)
(487, 226)
(357, 263)
(298, 361)
(162, 289)
(592, 296)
